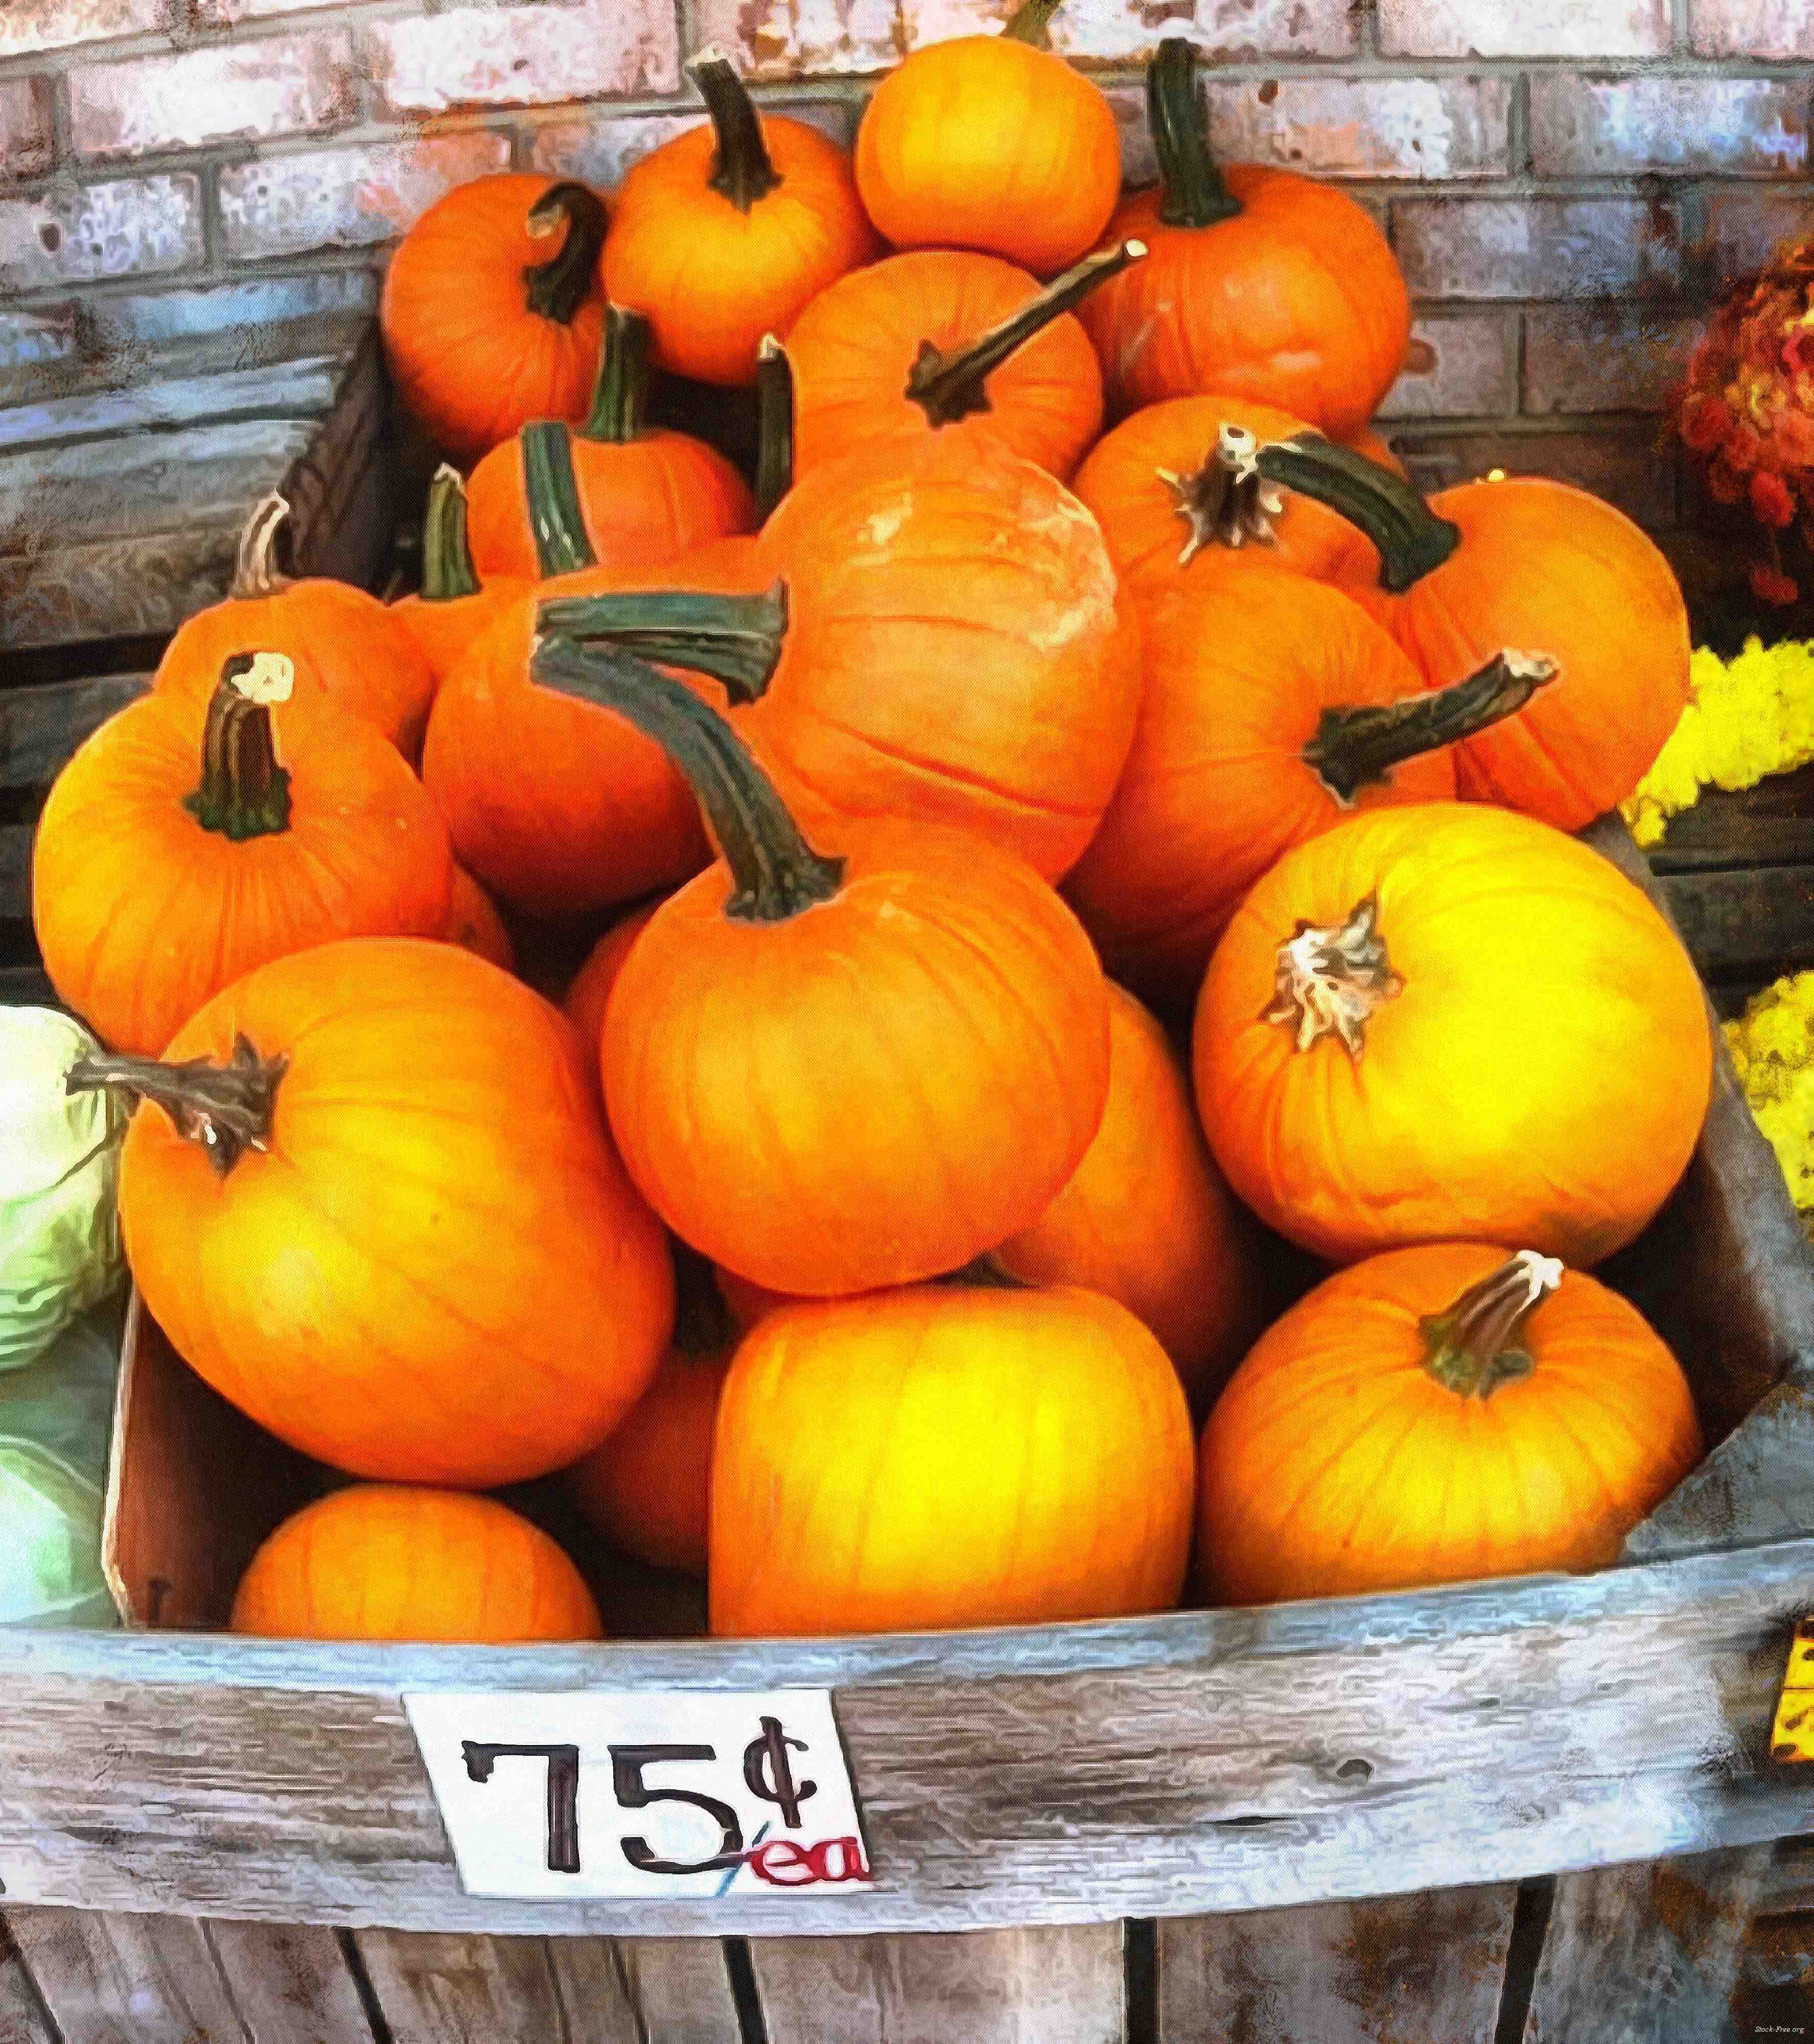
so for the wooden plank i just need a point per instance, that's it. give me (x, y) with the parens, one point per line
(1788, 1884)
(40, 728)
(117, 589)
(1745, 924)
(23, 2018)
(1645, 1951)
(1403, 1971)
(289, 1983)
(343, 491)
(133, 1980)
(997, 1987)
(25, 986)
(1775, 1992)
(15, 872)
(1771, 824)
(303, 390)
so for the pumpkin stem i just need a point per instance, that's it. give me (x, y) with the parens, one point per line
(775, 425)
(1031, 22)
(1412, 540)
(558, 287)
(949, 387)
(703, 1325)
(227, 1108)
(1222, 502)
(1469, 1351)
(244, 792)
(774, 873)
(741, 168)
(620, 395)
(557, 517)
(1193, 193)
(735, 639)
(255, 572)
(1330, 980)
(448, 571)
(1351, 747)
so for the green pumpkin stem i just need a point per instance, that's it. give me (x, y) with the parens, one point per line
(1330, 980)
(1353, 748)
(741, 168)
(735, 639)
(775, 874)
(949, 387)
(243, 792)
(558, 287)
(775, 425)
(1469, 1351)
(1412, 540)
(1031, 22)
(620, 392)
(1193, 192)
(557, 517)
(227, 1108)
(447, 572)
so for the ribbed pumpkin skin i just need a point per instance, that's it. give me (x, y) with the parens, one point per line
(852, 349)
(389, 1561)
(713, 280)
(1296, 302)
(376, 1290)
(584, 1002)
(970, 1070)
(1334, 1465)
(444, 629)
(142, 915)
(983, 142)
(1541, 1079)
(472, 361)
(1146, 1218)
(942, 1456)
(1216, 788)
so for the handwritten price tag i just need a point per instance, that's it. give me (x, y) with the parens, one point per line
(679, 1793)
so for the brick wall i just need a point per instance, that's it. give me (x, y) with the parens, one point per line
(1564, 181)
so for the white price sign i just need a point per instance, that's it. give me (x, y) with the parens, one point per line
(688, 1793)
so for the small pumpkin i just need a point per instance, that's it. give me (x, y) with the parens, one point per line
(967, 1010)
(725, 234)
(1434, 1415)
(175, 854)
(1449, 1022)
(453, 608)
(948, 1456)
(355, 1184)
(340, 642)
(391, 1562)
(488, 320)
(584, 1003)
(615, 491)
(1258, 282)
(994, 142)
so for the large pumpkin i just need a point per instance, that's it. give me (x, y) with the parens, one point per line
(368, 1198)
(1449, 1022)
(944, 1456)
(393, 1562)
(833, 1073)
(1437, 1413)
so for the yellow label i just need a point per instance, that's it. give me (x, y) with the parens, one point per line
(1791, 1736)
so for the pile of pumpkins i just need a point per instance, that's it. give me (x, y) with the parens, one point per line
(1039, 868)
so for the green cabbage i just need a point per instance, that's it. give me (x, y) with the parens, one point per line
(59, 1228)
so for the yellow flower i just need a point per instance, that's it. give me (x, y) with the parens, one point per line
(1773, 1051)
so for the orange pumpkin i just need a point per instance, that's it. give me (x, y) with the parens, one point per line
(474, 924)
(454, 607)
(917, 950)
(354, 1189)
(341, 643)
(1146, 1218)
(484, 328)
(991, 142)
(1449, 1022)
(388, 1561)
(613, 491)
(1257, 282)
(944, 1456)
(724, 234)
(175, 854)
(584, 1003)
(1435, 1415)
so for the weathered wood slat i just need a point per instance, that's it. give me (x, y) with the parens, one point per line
(40, 728)
(303, 390)
(1787, 1887)
(1405, 1971)
(1775, 1993)
(289, 1983)
(23, 2019)
(117, 589)
(15, 872)
(25, 986)
(999, 1987)
(1745, 924)
(1771, 824)
(1645, 1951)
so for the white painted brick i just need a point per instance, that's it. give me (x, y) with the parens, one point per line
(346, 198)
(1460, 367)
(1375, 128)
(1454, 248)
(1603, 359)
(281, 85)
(1752, 27)
(1612, 127)
(27, 26)
(24, 127)
(523, 56)
(1525, 28)
(77, 234)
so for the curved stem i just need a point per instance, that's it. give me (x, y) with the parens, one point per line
(774, 873)
(1193, 194)
(948, 386)
(557, 517)
(244, 792)
(1222, 506)
(735, 639)
(1330, 980)
(1030, 23)
(447, 572)
(1469, 1351)
(741, 169)
(619, 395)
(255, 572)
(227, 1108)
(1351, 747)
(558, 287)
(775, 425)
(1412, 540)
